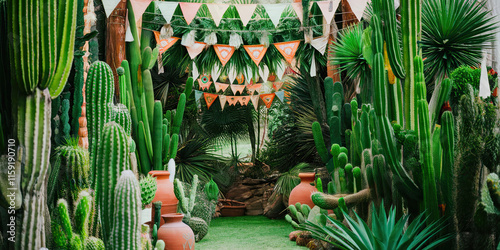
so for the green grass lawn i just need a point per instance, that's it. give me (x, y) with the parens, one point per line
(247, 232)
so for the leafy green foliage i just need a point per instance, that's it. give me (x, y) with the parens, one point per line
(288, 180)
(463, 76)
(454, 33)
(348, 52)
(385, 232)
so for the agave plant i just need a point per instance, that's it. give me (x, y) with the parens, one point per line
(454, 33)
(385, 233)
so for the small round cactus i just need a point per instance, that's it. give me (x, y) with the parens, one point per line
(148, 189)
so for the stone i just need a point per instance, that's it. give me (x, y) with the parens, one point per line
(274, 208)
(254, 212)
(293, 235)
(303, 238)
(255, 203)
(239, 193)
(249, 181)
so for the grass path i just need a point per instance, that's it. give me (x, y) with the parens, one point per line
(247, 232)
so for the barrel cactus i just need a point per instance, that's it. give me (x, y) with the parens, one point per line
(148, 189)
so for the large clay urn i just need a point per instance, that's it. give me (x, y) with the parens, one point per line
(175, 233)
(164, 193)
(302, 192)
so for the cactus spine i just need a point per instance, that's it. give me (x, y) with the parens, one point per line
(99, 93)
(126, 233)
(148, 189)
(112, 159)
(121, 116)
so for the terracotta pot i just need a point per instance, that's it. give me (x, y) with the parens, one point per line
(231, 208)
(175, 233)
(302, 192)
(164, 193)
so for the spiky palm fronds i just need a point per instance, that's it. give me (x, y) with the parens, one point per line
(454, 33)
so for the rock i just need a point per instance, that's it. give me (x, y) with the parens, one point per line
(259, 192)
(303, 238)
(255, 203)
(239, 193)
(250, 182)
(315, 245)
(274, 208)
(293, 235)
(254, 212)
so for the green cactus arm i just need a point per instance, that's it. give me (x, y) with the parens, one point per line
(447, 173)
(441, 95)
(179, 194)
(319, 185)
(189, 87)
(160, 244)
(327, 201)
(391, 38)
(157, 136)
(147, 127)
(61, 225)
(174, 143)
(192, 194)
(147, 57)
(429, 183)
(149, 96)
(319, 142)
(349, 178)
(366, 140)
(437, 152)
(179, 114)
(357, 179)
(82, 214)
(166, 144)
(142, 149)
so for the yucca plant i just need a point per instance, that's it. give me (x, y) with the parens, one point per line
(385, 232)
(289, 179)
(454, 33)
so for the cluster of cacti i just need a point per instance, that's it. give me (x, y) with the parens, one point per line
(74, 235)
(69, 173)
(186, 205)
(212, 190)
(126, 228)
(112, 159)
(300, 213)
(148, 189)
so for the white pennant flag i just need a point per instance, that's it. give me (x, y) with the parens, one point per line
(328, 9)
(195, 72)
(280, 70)
(274, 11)
(396, 4)
(232, 74)
(222, 99)
(248, 74)
(215, 72)
(484, 85)
(313, 67)
(358, 7)
(217, 10)
(167, 9)
(320, 44)
(246, 11)
(109, 6)
(264, 73)
(128, 32)
(298, 9)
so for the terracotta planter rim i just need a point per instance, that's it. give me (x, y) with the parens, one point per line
(159, 173)
(172, 215)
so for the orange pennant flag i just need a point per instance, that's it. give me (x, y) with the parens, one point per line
(288, 49)
(277, 85)
(164, 44)
(222, 99)
(256, 52)
(220, 86)
(204, 85)
(232, 100)
(209, 98)
(254, 87)
(237, 88)
(244, 100)
(224, 52)
(267, 99)
(255, 101)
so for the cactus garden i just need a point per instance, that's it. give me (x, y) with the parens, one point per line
(249, 124)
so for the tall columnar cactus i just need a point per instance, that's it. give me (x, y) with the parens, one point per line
(448, 161)
(76, 109)
(158, 136)
(391, 37)
(65, 127)
(112, 159)
(126, 233)
(99, 93)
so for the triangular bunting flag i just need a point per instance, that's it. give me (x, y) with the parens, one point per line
(189, 10)
(220, 86)
(280, 70)
(196, 49)
(222, 99)
(217, 10)
(328, 9)
(109, 6)
(298, 9)
(248, 74)
(224, 52)
(195, 71)
(204, 85)
(267, 99)
(256, 52)
(358, 7)
(264, 73)
(287, 49)
(210, 99)
(215, 72)
(232, 74)
(255, 101)
(167, 9)
(274, 11)
(128, 32)
(320, 43)
(139, 6)
(277, 85)
(484, 86)
(232, 100)
(244, 100)
(280, 95)
(313, 67)
(237, 88)
(396, 4)
(246, 11)
(164, 44)
(197, 94)
(254, 87)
